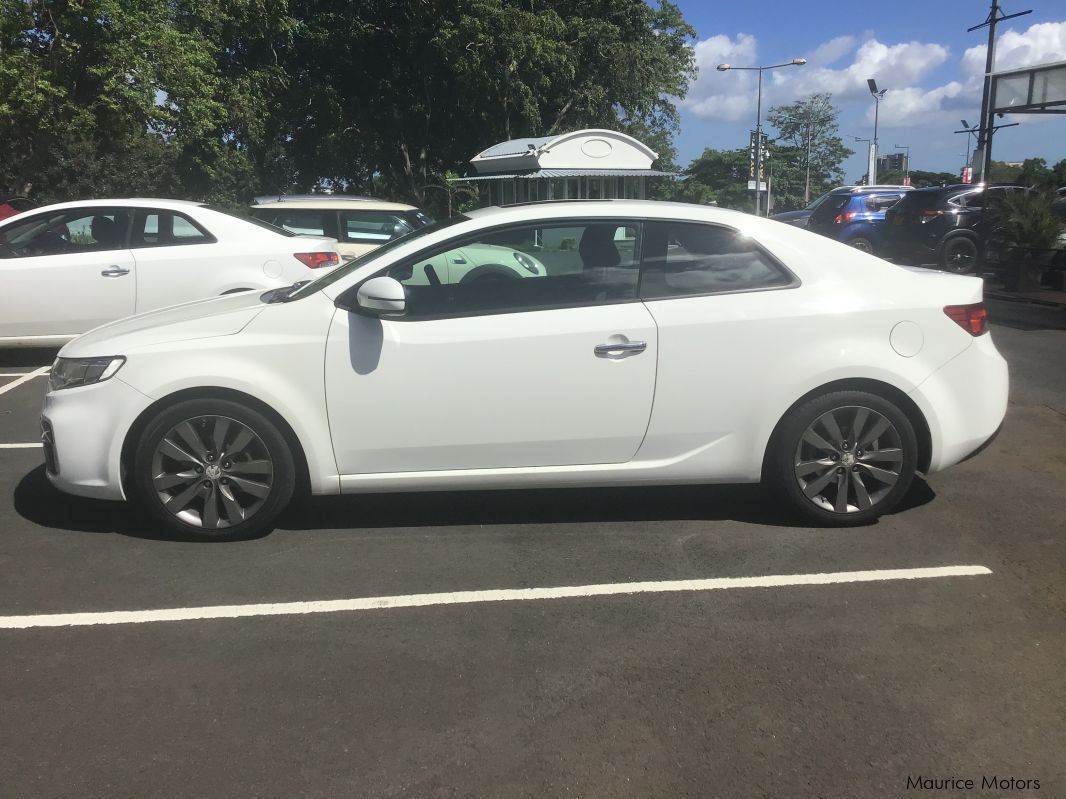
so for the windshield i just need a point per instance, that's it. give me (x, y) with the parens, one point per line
(373, 255)
(815, 203)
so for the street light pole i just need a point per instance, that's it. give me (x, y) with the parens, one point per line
(878, 97)
(869, 142)
(795, 62)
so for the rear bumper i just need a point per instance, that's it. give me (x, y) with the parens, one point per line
(964, 402)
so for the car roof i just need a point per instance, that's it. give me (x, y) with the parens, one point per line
(870, 189)
(134, 202)
(342, 201)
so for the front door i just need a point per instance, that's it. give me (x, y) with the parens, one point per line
(65, 272)
(544, 357)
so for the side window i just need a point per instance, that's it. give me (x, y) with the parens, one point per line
(526, 268)
(685, 258)
(155, 228)
(970, 199)
(374, 227)
(72, 231)
(301, 222)
(880, 202)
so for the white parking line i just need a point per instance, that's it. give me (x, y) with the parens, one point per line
(22, 446)
(14, 374)
(28, 376)
(467, 597)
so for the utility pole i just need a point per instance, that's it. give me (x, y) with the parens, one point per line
(984, 135)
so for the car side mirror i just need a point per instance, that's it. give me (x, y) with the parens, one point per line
(379, 296)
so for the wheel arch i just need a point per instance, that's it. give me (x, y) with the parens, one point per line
(885, 391)
(133, 434)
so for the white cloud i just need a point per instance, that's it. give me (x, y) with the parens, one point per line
(731, 95)
(1039, 44)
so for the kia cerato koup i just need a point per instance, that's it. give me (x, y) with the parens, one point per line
(653, 343)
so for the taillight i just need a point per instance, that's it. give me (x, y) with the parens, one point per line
(971, 318)
(316, 260)
(845, 217)
(929, 214)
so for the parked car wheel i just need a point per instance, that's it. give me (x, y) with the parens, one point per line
(213, 469)
(862, 244)
(844, 458)
(959, 255)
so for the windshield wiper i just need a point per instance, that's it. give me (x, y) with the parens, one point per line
(284, 294)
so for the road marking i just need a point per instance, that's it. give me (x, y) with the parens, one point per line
(22, 446)
(469, 597)
(14, 374)
(28, 376)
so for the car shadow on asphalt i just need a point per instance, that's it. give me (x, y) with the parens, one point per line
(37, 501)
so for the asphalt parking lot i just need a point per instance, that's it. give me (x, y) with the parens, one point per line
(847, 686)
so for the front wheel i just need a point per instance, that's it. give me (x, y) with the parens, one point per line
(844, 458)
(213, 470)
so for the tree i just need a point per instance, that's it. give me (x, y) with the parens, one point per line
(919, 179)
(716, 176)
(807, 132)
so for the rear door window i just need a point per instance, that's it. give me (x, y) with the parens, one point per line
(827, 211)
(157, 228)
(688, 258)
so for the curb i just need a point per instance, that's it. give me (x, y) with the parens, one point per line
(1007, 296)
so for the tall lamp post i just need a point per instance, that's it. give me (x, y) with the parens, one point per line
(969, 131)
(795, 62)
(906, 163)
(878, 97)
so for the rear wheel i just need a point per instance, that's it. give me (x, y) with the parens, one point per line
(862, 244)
(213, 469)
(844, 458)
(959, 255)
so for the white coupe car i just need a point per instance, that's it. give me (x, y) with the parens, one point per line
(667, 343)
(67, 268)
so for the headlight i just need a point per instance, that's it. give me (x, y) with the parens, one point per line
(73, 372)
(526, 261)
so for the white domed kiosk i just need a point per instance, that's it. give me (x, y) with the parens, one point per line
(584, 164)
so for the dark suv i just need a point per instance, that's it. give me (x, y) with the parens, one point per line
(945, 225)
(855, 215)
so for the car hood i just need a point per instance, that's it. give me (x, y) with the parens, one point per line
(791, 217)
(217, 316)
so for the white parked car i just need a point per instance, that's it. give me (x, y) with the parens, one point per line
(67, 268)
(713, 347)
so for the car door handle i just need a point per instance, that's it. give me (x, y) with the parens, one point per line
(625, 346)
(115, 271)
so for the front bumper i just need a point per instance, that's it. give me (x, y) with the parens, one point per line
(83, 430)
(964, 402)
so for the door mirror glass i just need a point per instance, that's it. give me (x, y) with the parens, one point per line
(380, 296)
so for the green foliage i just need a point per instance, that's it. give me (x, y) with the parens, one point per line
(920, 179)
(810, 123)
(717, 176)
(221, 99)
(1030, 225)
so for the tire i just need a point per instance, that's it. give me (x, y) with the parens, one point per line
(489, 273)
(876, 473)
(213, 469)
(862, 244)
(959, 255)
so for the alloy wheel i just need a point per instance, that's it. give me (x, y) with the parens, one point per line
(848, 459)
(212, 472)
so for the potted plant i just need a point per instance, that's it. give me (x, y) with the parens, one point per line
(1030, 233)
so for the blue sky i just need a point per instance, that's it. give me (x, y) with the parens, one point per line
(919, 51)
